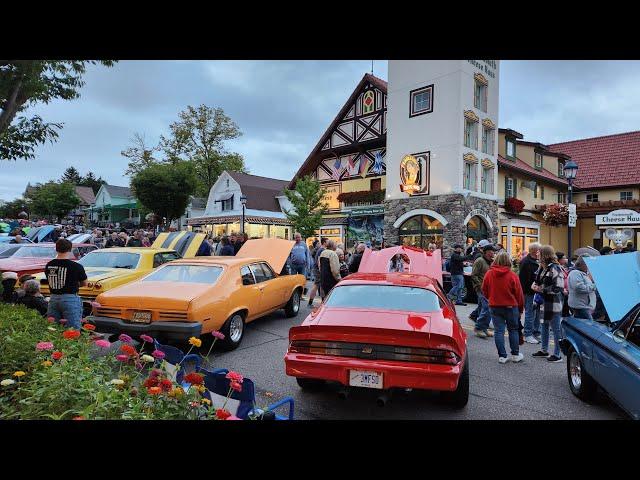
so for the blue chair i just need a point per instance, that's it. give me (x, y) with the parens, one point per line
(241, 404)
(174, 356)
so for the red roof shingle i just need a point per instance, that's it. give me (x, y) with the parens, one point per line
(524, 167)
(608, 161)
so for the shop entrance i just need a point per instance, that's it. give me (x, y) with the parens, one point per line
(420, 231)
(477, 229)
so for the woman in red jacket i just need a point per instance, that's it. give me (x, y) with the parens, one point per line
(502, 289)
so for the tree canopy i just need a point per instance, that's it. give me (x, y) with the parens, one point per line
(71, 175)
(164, 189)
(308, 203)
(54, 199)
(139, 153)
(24, 83)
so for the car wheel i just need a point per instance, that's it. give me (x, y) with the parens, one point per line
(292, 307)
(233, 331)
(310, 384)
(460, 396)
(582, 384)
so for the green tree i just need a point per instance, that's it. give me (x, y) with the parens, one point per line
(308, 203)
(54, 199)
(165, 188)
(140, 155)
(71, 175)
(14, 207)
(25, 83)
(199, 137)
(90, 180)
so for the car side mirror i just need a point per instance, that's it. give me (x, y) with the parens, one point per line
(618, 336)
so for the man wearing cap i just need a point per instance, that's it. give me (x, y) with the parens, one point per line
(480, 268)
(456, 267)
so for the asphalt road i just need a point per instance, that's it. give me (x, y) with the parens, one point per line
(531, 390)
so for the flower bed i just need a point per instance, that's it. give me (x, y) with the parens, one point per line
(48, 372)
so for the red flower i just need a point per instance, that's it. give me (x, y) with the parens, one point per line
(222, 414)
(128, 350)
(150, 382)
(80, 417)
(71, 334)
(166, 385)
(89, 326)
(235, 377)
(236, 386)
(154, 391)
(57, 355)
(194, 378)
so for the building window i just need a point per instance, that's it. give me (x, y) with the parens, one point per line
(227, 204)
(421, 101)
(562, 198)
(521, 238)
(486, 185)
(561, 169)
(592, 197)
(487, 140)
(626, 195)
(480, 96)
(420, 231)
(376, 185)
(511, 149)
(538, 161)
(368, 103)
(509, 187)
(469, 176)
(227, 183)
(541, 192)
(535, 190)
(470, 134)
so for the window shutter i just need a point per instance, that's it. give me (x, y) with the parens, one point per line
(515, 187)
(506, 187)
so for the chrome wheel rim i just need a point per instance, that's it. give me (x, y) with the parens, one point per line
(575, 371)
(296, 302)
(235, 328)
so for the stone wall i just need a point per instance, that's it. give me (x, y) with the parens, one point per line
(453, 207)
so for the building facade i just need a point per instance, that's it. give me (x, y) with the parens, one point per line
(114, 205)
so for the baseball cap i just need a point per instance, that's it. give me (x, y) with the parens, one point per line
(484, 243)
(9, 275)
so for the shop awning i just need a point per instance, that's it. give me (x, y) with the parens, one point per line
(237, 219)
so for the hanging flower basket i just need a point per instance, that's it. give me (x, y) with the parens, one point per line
(513, 205)
(556, 214)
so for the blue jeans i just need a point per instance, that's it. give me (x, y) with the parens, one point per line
(67, 306)
(298, 269)
(555, 326)
(484, 317)
(582, 313)
(508, 317)
(531, 316)
(457, 282)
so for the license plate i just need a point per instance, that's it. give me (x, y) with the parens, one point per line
(359, 378)
(141, 317)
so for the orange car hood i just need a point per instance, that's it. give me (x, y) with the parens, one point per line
(274, 250)
(169, 295)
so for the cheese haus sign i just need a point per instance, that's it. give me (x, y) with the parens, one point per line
(618, 217)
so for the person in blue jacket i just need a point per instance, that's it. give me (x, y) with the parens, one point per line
(300, 261)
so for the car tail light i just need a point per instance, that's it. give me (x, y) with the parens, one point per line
(90, 285)
(98, 286)
(375, 352)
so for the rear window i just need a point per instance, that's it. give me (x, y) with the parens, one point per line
(384, 297)
(185, 274)
(111, 259)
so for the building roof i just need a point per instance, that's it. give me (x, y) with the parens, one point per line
(312, 160)
(198, 202)
(261, 192)
(512, 133)
(115, 191)
(607, 161)
(86, 195)
(523, 167)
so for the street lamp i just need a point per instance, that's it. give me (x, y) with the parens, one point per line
(243, 201)
(570, 172)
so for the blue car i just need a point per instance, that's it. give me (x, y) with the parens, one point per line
(608, 354)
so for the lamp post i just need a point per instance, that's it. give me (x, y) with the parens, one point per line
(243, 201)
(570, 172)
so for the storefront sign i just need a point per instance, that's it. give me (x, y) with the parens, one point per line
(331, 193)
(357, 212)
(618, 217)
(573, 216)
(414, 173)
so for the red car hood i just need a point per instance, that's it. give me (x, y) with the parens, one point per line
(22, 264)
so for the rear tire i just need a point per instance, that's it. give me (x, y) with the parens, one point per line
(460, 396)
(310, 384)
(292, 307)
(233, 330)
(582, 384)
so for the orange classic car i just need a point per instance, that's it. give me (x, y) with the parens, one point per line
(190, 297)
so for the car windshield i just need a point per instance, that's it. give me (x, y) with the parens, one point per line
(384, 297)
(111, 260)
(7, 250)
(41, 252)
(185, 274)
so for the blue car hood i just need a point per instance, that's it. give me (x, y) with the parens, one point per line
(618, 280)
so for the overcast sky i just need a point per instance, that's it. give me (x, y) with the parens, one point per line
(282, 108)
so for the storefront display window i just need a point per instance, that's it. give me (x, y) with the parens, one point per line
(420, 231)
(521, 238)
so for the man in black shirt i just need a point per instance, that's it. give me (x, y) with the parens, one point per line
(114, 241)
(65, 278)
(527, 274)
(354, 265)
(456, 268)
(136, 240)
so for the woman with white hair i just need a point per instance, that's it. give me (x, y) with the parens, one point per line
(32, 297)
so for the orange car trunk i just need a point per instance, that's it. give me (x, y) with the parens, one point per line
(147, 295)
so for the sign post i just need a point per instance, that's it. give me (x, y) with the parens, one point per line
(573, 217)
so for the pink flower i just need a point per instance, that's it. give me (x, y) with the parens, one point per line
(235, 377)
(232, 417)
(63, 321)
(44, 346)
(146, 338)
(218, 335)
(158, 354)
(83, 320)
(236, 386)
(103, 343)
(124, 338)
(51, 319)
(122, 358)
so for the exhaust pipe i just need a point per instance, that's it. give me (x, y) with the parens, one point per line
(343, 393)
(383, 399)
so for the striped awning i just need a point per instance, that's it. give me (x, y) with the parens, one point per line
(237, 219)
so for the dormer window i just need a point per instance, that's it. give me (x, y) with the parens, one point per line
(511, 148)
(538, 160)
(561, 169)
(227, 183)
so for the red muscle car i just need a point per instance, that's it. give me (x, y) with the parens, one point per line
(31, 258)
(388, 326)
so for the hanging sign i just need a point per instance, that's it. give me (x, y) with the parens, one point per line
(414, 173)
(573, 217)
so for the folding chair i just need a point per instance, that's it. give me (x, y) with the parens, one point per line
(241, 404)
(173, 357)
